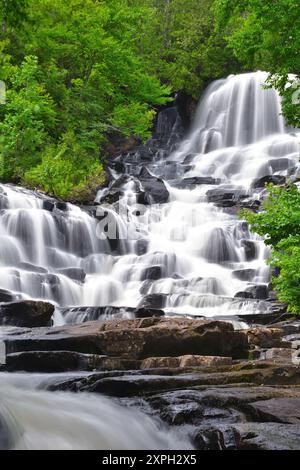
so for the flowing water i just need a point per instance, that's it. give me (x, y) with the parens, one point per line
(202, 255)
(199, 249)
(39, 420)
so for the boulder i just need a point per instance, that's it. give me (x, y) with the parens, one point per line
(250, 249)
(6, 296)
(226, 196)
(141, 247)
(248, 436)
(259, 291)
(26, 313)
(154, 189)
(77, 274)
(274, 179)
(153, 301)
(48, 205)
(153, 273)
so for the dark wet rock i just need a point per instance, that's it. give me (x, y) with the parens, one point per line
(252, 204)
(193, 181)
(250, 249)
(153, 273)
(154, 189)
(50, 361)
(268, 318)
(274, 179)
(259, 291)
(6, 296)
(244, 274)
(248, 436)
(33, 268)
(62, 206)
(226, 196)
(26, 313)
(48, 205)
(64, 361)
(154, 301)
(244, 295)
(141, 247)
(77, 274)
(277, 307)
(71, 314)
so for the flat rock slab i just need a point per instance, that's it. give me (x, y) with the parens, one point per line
(136, 339)
(281, 410)
(141, 383)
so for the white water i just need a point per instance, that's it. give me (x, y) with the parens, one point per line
(41, 420)
(238, 135)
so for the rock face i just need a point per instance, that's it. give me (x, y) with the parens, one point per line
(26, 313)
(280, 410)
(189, 373)
(138, 339)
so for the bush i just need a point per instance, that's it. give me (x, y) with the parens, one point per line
(67, 171)
(279, 223)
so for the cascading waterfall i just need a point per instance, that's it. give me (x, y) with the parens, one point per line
(189, 255)
(202, 254)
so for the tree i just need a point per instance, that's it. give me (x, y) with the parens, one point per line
(75, 74)
(279, 223)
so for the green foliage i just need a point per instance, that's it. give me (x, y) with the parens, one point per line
(279, 223)
(265, 35)
(187, 50)
(70, 68)
(29, 116)
(66, 170)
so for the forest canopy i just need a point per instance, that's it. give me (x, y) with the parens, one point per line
(78, 71)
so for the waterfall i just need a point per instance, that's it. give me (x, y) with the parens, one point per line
(179, 247)
(188, 254)
(35, 419)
